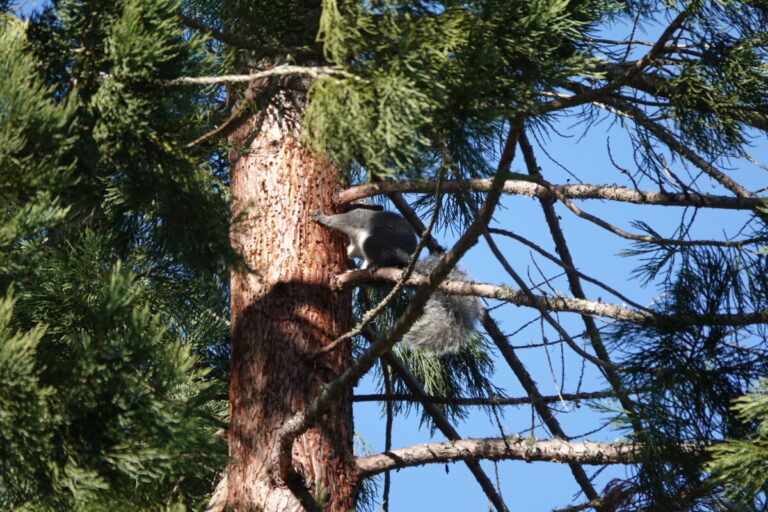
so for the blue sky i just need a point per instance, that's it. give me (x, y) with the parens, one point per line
(544, 486)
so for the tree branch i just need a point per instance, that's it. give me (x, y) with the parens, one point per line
(630, 73)
(527, 449)
(490, 401)
(652, 239)
(524, 185)
(560, 304)
(315, 72)
(442, 423)
(669, 139)
(658, 86)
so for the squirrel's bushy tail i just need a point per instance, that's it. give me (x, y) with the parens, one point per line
(448, 320)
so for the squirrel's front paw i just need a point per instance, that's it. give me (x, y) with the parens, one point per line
(315, 215)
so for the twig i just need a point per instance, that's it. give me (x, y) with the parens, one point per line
(678, 147)
(568, 268)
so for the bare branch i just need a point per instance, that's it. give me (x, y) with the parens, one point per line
(634, 41)
(532, 187)
(569, 304)
(655, 240)
(491, 401)
(315, 72)
(527, 449)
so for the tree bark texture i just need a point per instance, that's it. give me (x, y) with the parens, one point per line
(282, 311)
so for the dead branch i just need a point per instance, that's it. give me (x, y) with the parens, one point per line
(315, 72)
(510, 448)
(562, 304)
(482, 401)
(538, 188)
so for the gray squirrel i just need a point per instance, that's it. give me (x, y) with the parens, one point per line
(385, 239)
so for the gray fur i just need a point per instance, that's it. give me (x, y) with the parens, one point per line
(379, 238)
(448, 320)
(384, 239)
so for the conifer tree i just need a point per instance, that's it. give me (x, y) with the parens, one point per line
(160, 163)
(113, 239)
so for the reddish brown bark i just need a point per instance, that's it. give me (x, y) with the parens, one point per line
(282, 311)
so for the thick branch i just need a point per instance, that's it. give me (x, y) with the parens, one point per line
(315, 72)
(569, 304)
(491, 401)
(536, 188)
(527, 449)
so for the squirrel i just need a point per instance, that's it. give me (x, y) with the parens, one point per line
(385, 239)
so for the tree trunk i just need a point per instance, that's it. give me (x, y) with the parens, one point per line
(282, 311)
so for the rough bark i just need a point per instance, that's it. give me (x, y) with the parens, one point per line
(282, 312)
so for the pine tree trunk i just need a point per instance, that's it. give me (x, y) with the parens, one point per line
(283, 310)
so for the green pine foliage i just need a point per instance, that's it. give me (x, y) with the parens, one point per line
(422, 72)
(689, 374)
(714, 95)
(465, 373)
(113, 243)
(741, 465)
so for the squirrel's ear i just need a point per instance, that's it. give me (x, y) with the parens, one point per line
(366, 204)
